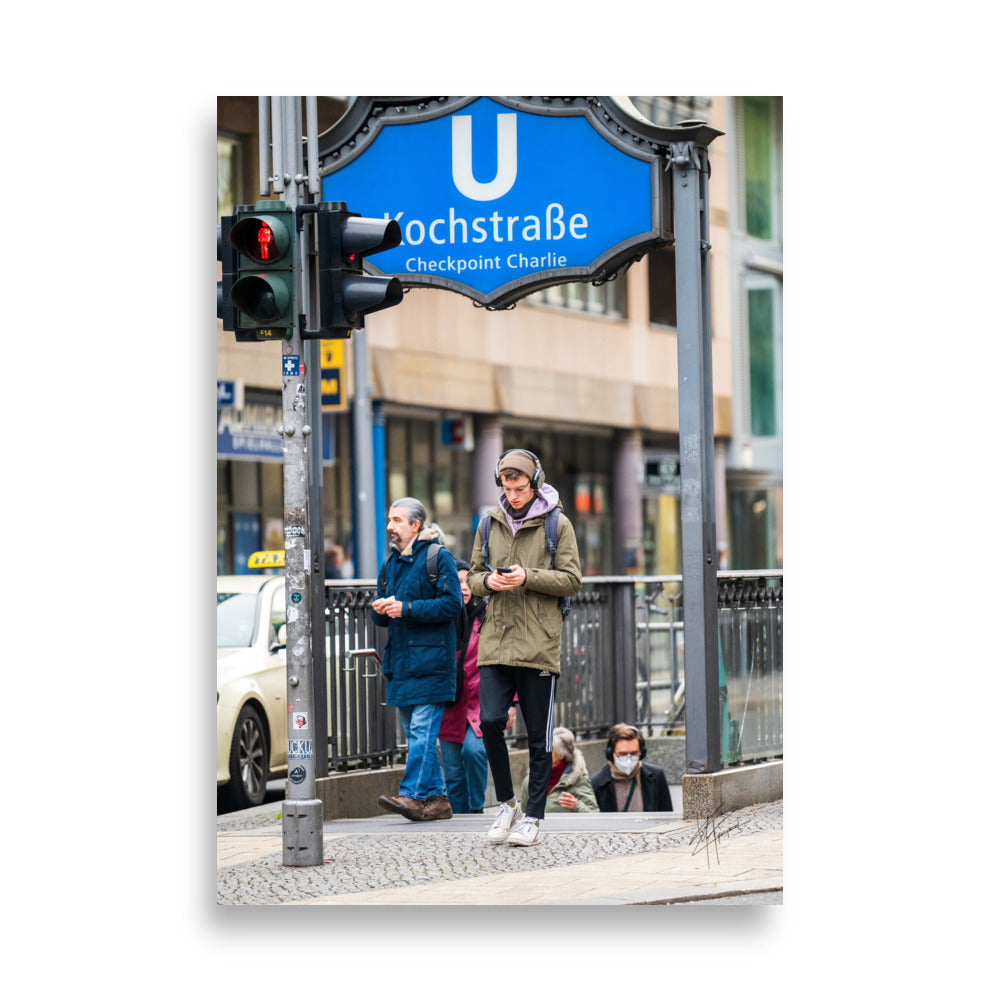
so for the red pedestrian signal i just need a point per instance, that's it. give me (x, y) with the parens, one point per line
(264, 290)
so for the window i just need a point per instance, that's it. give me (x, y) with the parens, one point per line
(763, 300)
(761, 130)
(672, 110)
(608, 299)
(663, 287)
(755, 525)
(419, 465)
(229, 165)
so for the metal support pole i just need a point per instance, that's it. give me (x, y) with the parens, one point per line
(264, 138)
(302, 815)
(312, 141)
(321, 731)
(365, 566)
(380, 503)
(312, 355)
(698, 555)
(277, 146)
(622, 603)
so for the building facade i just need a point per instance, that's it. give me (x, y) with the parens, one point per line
(584, 376)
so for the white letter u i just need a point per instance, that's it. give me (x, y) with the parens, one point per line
(461, 158)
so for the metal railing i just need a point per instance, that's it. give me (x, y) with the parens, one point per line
(750, 653)
(622, 660)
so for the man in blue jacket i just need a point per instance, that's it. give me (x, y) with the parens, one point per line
(419, 659)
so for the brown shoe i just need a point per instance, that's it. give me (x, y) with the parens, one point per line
(403, 805)
(437, 807)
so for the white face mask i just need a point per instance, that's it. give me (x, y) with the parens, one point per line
(627, 764)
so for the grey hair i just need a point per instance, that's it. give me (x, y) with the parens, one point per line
(415, 510)
(563, 742)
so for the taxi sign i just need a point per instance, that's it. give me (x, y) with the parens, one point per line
(267, 560)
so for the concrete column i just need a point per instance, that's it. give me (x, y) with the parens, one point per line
(628, 502)
(721, 514)
(489, 446)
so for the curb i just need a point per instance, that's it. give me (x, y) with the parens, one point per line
(684, 894)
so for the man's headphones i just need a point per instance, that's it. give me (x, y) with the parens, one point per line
(537, 477)
(622, 731)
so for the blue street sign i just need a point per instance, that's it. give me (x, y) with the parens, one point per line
(290, 364)
(226, 392)
(494, 200)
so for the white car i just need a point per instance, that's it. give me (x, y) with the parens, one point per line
(252, 717)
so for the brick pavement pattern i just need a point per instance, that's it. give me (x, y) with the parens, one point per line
(378, 868)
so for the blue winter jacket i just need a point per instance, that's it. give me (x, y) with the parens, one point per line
(418, 661)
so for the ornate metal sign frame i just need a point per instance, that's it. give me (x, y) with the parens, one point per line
(657, 145)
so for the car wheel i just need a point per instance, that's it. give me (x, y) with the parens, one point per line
(249, 760)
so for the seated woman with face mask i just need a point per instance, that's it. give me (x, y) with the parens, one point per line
(569, 783)
(625, 783)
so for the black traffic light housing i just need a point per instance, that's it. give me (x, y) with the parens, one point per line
(264, 288)
(346, 293)
(226, 254)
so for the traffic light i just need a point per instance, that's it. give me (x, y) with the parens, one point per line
(346, 293)
(263, 293)
(226, 254)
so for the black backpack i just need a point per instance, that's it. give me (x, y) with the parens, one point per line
(431, 567)
(551, 522)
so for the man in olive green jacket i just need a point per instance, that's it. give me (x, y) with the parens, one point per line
(520, 637)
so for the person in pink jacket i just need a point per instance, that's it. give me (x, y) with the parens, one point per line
(460, 740)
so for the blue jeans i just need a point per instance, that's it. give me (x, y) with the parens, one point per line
(422, 776)
(465, 770)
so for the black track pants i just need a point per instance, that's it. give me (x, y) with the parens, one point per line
(536, 692)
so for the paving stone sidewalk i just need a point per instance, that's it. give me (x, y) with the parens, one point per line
(389, 863)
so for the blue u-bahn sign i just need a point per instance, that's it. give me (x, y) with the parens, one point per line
(498, 196)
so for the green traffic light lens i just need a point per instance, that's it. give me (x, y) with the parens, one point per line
(261, 297)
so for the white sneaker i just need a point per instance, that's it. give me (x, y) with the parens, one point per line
(524, 834)
(507, 816)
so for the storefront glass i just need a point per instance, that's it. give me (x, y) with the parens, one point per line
(755, 526)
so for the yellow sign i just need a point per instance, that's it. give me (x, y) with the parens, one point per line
(267, 560)
(331, 363)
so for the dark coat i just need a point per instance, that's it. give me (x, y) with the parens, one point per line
(652, 781)
(418, 661)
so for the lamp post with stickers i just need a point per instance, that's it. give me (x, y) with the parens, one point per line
(302, 813)
(266, 293)
(292, 272)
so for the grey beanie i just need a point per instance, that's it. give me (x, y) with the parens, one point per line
(521, 461)
(563, 742)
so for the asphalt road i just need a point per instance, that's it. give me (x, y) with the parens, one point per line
(275, 793)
